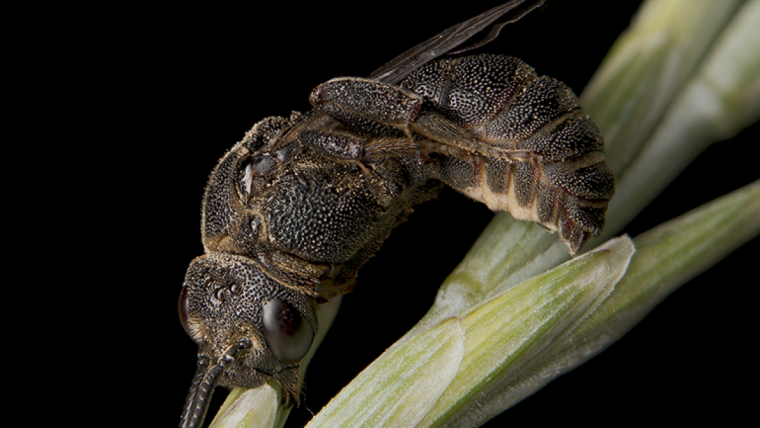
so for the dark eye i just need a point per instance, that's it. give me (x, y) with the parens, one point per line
(183, 310)
(288, 333)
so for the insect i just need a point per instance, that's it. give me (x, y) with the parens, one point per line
(292, 211)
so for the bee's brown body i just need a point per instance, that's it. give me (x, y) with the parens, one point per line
(295, 209)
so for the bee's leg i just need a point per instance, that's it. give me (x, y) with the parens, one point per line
(316, 280)
(334, 145)
(359, 103)
(443, 136)
(349, 146)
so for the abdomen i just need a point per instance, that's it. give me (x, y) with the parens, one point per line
(516, 142)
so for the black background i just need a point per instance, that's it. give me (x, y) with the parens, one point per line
(172, 89)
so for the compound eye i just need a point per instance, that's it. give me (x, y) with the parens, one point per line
(183, 310)
(287, 331)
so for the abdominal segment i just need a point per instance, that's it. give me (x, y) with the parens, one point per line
(516, 142)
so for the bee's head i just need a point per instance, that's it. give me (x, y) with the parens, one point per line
(249, 328)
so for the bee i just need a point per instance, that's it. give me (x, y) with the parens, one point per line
(292, 211)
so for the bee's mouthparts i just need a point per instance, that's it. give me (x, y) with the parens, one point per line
(205, 380)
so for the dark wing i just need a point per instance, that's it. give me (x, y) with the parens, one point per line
(487, 25)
